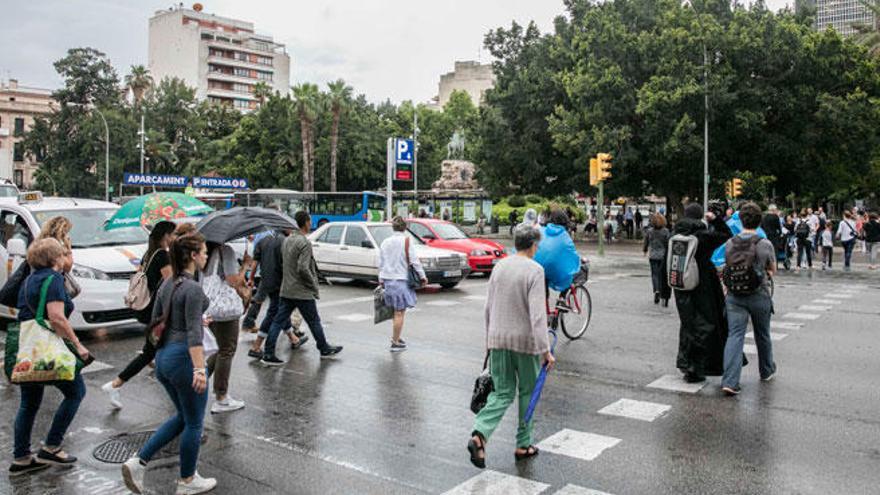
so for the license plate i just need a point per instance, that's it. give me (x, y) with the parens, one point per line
(454, 273)
(495, 261)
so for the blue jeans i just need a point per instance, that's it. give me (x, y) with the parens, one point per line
(308, 308)
(847, 251)
(271, 312)
(31, 397)
(758, 306)
(174, 369)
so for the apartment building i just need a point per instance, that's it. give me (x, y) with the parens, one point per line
(19, 106)
(469, 76)
(222, 58)
(841, 15)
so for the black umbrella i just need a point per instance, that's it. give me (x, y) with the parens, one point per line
(241, 221)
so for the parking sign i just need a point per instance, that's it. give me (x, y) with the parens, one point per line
(404, 150)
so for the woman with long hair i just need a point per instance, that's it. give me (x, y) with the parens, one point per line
(180, 368)
(156, 263)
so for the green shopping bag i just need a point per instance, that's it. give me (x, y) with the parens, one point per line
(35, 353)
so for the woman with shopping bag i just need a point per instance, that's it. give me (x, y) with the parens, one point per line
(43, 308)
(400, 274)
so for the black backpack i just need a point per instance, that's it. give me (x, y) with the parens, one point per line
(740, 275)
(802, 231)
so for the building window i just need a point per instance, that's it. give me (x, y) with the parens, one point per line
(207, 36)
(19, 126)
(242, 72)
(242, 104)
(264, 76)
(17, 152)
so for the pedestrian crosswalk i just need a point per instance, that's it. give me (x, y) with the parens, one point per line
(636, 409)
(675, 383)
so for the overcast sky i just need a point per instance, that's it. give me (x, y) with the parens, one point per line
(393, 49)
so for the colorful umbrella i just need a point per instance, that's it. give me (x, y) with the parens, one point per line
(539, 384)
(149, 209)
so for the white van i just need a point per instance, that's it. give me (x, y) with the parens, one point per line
(104, 260)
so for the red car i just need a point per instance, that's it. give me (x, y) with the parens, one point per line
(482, 254)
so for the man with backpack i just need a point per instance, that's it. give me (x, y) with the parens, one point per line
(802, 232)
(699, 297)
(750, 262)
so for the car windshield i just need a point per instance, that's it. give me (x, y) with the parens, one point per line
(8, 192)
(88, 228)
(382, 232)
(448, 231)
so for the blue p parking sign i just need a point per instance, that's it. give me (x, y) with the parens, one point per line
(404, 149)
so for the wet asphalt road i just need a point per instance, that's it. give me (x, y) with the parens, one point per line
(376, 422)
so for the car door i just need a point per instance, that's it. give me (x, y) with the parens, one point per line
(358, 253)
(12, 226)
(326, 248)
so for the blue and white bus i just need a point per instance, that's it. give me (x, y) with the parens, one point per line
(322, 206)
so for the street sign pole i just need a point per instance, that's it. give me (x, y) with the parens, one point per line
(389, 178)
(600, 217)
(415, 206)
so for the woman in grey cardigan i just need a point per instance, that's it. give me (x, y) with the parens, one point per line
(656, 240)
(516, 337)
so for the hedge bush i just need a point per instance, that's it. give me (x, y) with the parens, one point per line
(534, 199)
(516, 201)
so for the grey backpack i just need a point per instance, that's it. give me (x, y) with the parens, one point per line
(681, 266)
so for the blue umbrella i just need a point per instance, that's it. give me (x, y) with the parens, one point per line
(539, 384)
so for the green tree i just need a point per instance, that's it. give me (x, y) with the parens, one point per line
(173, 127)
(306, 96)
(262, 91)
(139, 81)
(340, 94)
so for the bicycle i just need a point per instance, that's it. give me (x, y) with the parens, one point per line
(574, 306)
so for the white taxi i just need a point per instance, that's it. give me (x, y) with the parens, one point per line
(351, 250)
(104, 261)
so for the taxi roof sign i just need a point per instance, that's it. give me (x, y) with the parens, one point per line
(30, 197)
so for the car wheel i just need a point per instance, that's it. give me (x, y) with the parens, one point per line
(448, 285)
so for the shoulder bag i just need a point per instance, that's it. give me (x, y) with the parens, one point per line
(35, 353)
(413, 279)
(483, 386)
(225, 302)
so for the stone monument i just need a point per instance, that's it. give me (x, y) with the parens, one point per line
(456, 173)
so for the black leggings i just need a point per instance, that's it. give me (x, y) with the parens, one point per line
(805, 248)
(139, 362)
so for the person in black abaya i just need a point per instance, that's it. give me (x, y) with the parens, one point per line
(703, 331)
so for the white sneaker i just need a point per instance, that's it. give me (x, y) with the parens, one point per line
(115, 396)
(133, 475)
(226, 405)
(196, 485)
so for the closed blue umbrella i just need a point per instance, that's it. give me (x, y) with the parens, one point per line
(539, 384)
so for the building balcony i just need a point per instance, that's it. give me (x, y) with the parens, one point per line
(234, 62)
(220, 76)
(228, 93)
(248, 47)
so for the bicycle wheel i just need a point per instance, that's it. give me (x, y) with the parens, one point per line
(575, 321)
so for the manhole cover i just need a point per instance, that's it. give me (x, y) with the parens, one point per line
(124, 446)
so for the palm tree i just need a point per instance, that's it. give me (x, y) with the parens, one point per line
(868, 35)
(262, 92)
(139, 81)
(340, 93)
(306, 97)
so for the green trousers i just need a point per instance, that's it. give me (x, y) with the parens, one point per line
(512, 373)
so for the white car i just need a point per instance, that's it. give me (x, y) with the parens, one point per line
(104, 260)
(351, 250)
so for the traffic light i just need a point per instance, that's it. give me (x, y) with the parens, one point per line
(604, 160)
(728, 189)
(736, 188)
(594, 171)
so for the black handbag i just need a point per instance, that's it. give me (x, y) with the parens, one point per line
(483, 386)
(10, 290)
(413, 279)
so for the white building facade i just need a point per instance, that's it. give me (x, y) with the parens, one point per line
(472, 77)
(19, 107)
(841, 15)
(222, 58)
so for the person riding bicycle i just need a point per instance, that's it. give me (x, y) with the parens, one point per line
(557, 253)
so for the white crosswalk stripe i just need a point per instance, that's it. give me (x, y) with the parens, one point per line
(786, 325)
(442, 303)
(773, 336)
(839, 296)
(636, 409)
(476, 298)
(577, 444)
(354, 317)
(750, 349)
(810, 307)
(495, 483)
(675, 383)
(827, 301)
(579, 490)
(802, 316)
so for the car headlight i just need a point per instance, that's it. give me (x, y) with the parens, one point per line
(428, 262)
(80, 271)
(463, 261)
(480, 252)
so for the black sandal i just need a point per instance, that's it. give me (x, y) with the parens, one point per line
(531, 451)
(473, 448)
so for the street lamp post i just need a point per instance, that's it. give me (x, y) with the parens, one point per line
(106, 145)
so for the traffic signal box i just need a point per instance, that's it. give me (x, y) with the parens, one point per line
(594, 171)
(600, 168)
(734, 188)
